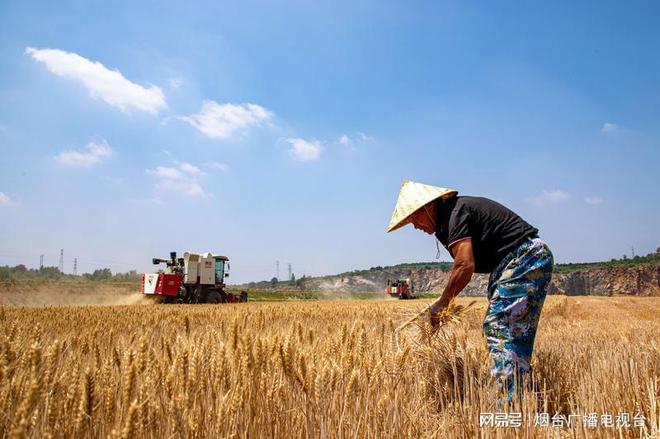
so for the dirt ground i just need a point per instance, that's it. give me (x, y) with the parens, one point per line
(44, 293)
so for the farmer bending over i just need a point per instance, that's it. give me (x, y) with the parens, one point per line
(485, 237)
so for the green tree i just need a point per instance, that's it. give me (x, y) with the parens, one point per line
(100, 274)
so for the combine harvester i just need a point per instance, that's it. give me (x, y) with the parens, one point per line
(400, 288)
(195, 278)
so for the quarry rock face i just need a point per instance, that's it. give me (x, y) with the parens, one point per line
(638, 280)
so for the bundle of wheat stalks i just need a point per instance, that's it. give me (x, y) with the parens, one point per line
(443, 358)
(452, 313)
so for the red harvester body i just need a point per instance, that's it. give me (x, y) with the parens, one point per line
(400, 288)
(195, 278)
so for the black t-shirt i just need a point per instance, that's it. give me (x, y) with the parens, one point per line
(494, 229)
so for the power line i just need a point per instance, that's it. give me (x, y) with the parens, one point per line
(75, 266)
(20, 257)
(61, 261)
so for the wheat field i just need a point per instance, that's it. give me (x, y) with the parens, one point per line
(320, 369)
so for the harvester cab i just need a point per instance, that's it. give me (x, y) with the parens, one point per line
(400, 288)
(195, 278)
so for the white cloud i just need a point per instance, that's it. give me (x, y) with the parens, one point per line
(222, 121)
(593, 200)
(218, 166)
(165, 172)
(103, 83)
(94, 153)
(609, 127)
(184, 187)
(5, 200)
(175, 83)
(304, 150)
(183, 180)
(190, 169)
(352, 140)
(553, 196)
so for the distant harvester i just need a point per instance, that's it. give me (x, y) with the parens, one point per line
(401, 288)
(195, 278)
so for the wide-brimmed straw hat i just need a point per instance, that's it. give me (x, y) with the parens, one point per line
(414, 196)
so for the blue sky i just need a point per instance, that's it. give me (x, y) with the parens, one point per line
(282, 130)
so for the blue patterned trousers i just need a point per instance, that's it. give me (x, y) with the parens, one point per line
(516, 291)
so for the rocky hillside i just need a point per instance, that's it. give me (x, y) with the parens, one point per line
(634, 280)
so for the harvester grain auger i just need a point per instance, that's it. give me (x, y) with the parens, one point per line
(194, 278)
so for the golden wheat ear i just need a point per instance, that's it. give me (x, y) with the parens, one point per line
(455, 312)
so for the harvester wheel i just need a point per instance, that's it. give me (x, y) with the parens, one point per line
(214, 297)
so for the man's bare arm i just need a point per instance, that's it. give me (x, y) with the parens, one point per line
(461, 273)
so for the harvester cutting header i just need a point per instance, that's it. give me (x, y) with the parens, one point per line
(195, 278)
(401, 288)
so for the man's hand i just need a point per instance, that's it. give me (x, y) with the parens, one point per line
(435, 309)
(438, 305)
(435, 321)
